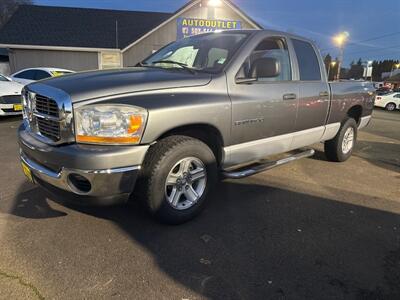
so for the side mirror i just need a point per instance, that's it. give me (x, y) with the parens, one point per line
(265, 67)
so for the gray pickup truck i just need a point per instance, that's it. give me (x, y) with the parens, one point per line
(209, 106)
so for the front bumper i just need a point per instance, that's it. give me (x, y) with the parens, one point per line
(88, 173)
(8, 110)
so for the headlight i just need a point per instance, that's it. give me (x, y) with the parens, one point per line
(109, 124)
(28, 100)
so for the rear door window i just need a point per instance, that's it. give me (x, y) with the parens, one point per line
(40, 74)
(29, 74)
(307, 60)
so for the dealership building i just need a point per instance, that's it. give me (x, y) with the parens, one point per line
(85, 39)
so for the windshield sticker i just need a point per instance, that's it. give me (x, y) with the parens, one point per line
(222, 60)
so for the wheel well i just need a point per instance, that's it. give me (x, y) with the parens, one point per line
(355, 113)
(208, 134)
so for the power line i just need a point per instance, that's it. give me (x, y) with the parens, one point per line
(379, 37)
(374, 50)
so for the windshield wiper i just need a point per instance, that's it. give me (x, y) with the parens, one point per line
(182, 65)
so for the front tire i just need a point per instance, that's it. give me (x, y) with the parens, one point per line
(341, 147)
(177, 175)
(390, 106)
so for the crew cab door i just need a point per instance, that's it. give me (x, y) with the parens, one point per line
(263, 108)
(264, 100)
(314, 94)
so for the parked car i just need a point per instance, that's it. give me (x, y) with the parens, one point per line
(215, 103)
(27, 76)
(389, 102)
(383, 91)
(10, 96)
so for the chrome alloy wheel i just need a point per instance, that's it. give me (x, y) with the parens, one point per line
(391, 106)
(186, 183)
(348, 140)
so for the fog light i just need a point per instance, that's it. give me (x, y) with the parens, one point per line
(79, 183)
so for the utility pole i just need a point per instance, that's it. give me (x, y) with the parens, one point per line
(116, 34)
(340, 40)
(332, 63)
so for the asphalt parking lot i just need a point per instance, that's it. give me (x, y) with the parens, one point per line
(308, 230)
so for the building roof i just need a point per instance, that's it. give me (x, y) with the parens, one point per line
(78, 27)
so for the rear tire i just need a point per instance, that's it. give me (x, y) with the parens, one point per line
(390, 106)
(176, 176)
(341, 147)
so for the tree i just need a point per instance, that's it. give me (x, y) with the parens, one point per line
(356, 70)
(332, 70)
(8, 7)
(379, 67)
(327, 61)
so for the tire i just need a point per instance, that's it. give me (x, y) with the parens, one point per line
(179, 159)
(390, 106)
(335, 149)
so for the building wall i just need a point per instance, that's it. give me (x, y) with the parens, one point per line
(4, 66)
(72, 60)
(168, 33)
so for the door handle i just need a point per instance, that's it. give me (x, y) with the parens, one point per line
(289, 96)
(324, 94)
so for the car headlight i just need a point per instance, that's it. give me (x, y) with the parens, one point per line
(109, 124)
(28, 100)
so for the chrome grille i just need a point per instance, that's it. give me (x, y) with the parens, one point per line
(48, 114)
(49, 128)
(46, 106)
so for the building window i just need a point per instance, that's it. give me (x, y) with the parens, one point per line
(110, 60)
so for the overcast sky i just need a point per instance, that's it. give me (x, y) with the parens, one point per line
(366, 20)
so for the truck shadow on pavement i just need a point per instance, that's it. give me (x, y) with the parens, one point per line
(384, 155)
(258, 242)
(33, 204)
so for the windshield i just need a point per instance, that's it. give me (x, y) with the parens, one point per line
(206, 52)
(3, 78)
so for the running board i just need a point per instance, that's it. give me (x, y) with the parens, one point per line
(261, 167)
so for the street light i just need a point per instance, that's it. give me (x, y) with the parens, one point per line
(367, 68)
(395, 66)
(214, 3)
(332, 64)
(340, 40)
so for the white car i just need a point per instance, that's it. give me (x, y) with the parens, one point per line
(10, 97)
(27, 76)
(389, 102)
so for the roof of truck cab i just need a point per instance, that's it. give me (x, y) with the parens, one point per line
(261, 31)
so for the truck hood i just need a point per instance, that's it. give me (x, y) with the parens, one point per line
(95, 84)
